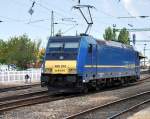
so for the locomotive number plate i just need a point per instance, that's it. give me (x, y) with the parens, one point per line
(60, 66)
(59, 70)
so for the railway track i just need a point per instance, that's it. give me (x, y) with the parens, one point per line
(32, 98)
(21, 96)
(129, 110)
(18, 88)
(113, 109)
(9, 103)
(141, 80)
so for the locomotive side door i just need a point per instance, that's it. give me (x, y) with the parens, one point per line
(93, 59)
(137, 64)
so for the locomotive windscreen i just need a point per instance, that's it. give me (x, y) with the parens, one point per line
(62, 48)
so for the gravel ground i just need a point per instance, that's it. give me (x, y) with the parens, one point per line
(14, 84)
(143, 114)
(22, 91)
(62, 108)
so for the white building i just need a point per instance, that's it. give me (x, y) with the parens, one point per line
(4, 67)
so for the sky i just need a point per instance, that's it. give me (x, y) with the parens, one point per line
(17, 20)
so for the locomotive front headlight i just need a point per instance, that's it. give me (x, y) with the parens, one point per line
(48, 69)
(72, 70)
(84, 80)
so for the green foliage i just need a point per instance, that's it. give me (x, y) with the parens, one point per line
(3, 50)
(40, 55)
(124, 36)
(20, 51)
(109, 34)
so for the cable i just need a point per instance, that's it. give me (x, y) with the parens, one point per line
(107, 14)
(58, 14)
(48, 9)
(19, 3)
(36, 21)
(12, 19)
(37, 26)
(24, 22)
(70, 28)
(126, 9)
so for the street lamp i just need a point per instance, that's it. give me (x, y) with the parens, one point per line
(144, 53)
(114, 31)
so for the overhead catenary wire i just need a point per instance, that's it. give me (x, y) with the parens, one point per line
(19, 2)
(7, 19)
(36, 2)
(107, 14)
(43, 6)
(125, 9)
(49, 10)
(24, 22)
(58, 14)
(131, 16)
(69, 29)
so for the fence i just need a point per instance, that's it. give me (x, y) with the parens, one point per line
(20, 76)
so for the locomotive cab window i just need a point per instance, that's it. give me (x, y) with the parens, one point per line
(71, 45)
(62, 49)
(55, 45)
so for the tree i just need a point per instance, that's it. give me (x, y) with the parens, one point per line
(22, 51)
(109, 34)
(40, 55)
(3, 50)
(124, 36)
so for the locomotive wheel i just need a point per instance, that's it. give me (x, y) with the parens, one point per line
(135, 79)
(97, 88)
(42, 84)
(85, 89)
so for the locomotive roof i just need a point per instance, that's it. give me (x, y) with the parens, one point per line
(65, 38)
(62, 37)
(101, 42)
(114, 44)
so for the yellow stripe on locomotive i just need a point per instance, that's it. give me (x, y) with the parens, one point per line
(61, 67)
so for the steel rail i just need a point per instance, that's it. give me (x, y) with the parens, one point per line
(141, 80)
(20, 103)
(104, 106)
(18, 87)
(24, 95)
(129, 109)
(29, 101)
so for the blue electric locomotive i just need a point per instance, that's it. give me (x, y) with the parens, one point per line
(83, 62)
